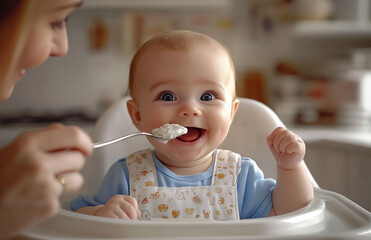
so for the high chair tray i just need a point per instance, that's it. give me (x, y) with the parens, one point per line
(329, 215)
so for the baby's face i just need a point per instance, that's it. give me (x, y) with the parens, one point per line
(193, 88)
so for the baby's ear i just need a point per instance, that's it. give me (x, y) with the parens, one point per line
(134, 113)
(235, 104)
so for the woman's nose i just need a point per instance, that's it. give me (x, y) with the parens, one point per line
(59, 45)
(189, 109)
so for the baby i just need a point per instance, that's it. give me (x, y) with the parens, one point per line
(187, 78)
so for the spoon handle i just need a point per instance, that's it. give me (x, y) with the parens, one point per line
(106, 143)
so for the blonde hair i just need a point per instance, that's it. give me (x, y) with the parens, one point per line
(174, 40)
(13, 29)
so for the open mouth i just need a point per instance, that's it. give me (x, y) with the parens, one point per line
(192, 135)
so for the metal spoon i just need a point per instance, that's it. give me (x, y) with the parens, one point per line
(106, 143)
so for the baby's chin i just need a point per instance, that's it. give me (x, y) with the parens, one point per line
(185, 163)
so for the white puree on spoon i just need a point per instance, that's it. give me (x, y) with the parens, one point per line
(169, 131)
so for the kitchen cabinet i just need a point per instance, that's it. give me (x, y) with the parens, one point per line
(340, 160)
(338, 28)
(153, 4)
(351, 19)
(341, 168)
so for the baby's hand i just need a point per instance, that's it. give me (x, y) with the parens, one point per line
(287, 148)
(120, 206)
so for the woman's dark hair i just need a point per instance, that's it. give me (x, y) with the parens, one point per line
(7, 7)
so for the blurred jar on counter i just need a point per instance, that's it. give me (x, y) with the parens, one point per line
(318, 10)
(98, 34)
(349, 86)
(356, 108)
(254, 86)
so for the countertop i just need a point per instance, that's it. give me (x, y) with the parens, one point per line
(345, 135)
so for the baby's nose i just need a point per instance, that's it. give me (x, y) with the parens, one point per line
(189, 109)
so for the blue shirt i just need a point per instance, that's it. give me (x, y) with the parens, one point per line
(253, 190)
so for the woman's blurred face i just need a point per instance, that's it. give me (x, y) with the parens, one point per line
(46, 36)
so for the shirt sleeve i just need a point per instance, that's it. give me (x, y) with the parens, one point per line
(254, 191)
(116, 181)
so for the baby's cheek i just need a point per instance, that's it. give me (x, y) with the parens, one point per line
(222, 129)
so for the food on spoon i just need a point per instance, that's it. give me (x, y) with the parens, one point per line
(169, 131)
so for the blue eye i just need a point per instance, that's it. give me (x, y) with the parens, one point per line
(207, 97)
(167, 97)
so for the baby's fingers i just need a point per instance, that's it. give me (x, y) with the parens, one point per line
(284, 141)
(273, 135)
(129, 211)
(280, 139)
(122, 206)
(289, 144)
(130, 207)
(297, 146)
(131, 200)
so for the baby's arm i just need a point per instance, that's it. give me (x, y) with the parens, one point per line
(118, 206)
(293, 188)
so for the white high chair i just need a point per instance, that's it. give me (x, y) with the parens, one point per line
(328, 215)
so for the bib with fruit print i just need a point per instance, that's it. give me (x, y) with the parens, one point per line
(215, 202)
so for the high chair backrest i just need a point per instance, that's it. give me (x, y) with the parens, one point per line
(252, 123)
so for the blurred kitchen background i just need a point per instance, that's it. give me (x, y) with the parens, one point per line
(309, 60)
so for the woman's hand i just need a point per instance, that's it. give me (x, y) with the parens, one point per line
(119, 206)
(287, 148)
(36, 169)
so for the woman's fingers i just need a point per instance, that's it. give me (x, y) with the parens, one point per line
(65, 161)
(57, 151)
(57, 137)
(70, 182)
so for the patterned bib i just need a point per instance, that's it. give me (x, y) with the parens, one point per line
(215, 202)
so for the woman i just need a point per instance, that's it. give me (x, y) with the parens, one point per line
(38, 166)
